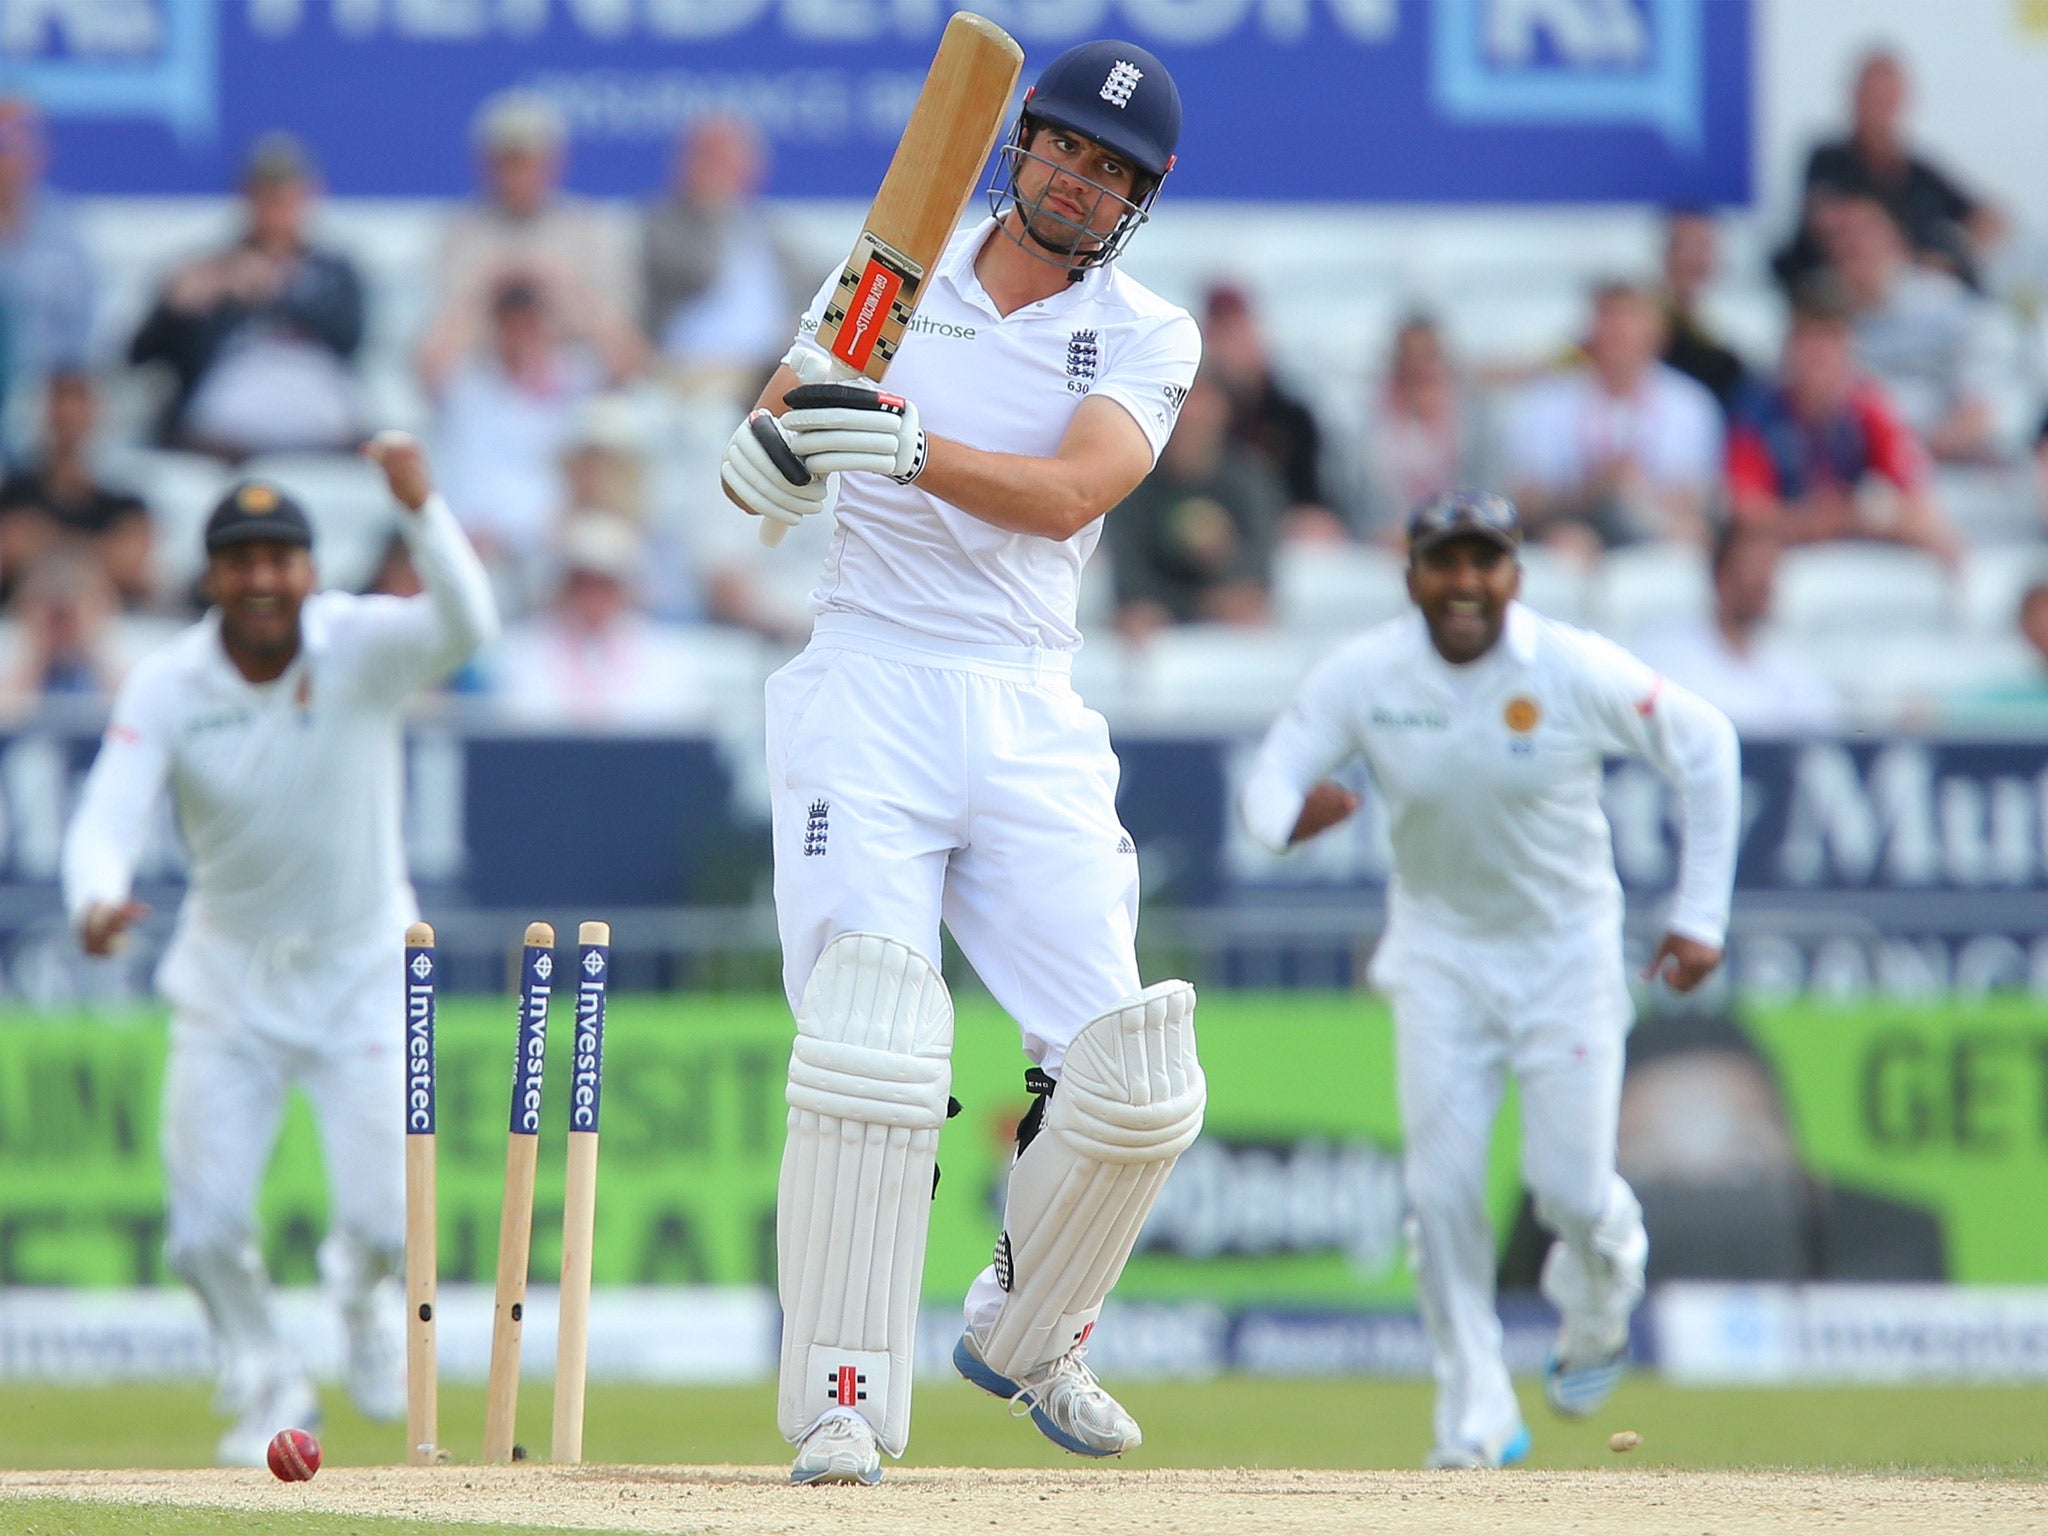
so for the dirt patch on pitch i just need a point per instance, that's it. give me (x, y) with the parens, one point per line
(748, 1501)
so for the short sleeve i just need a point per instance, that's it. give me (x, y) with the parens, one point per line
(814, 314)
(1150, 374)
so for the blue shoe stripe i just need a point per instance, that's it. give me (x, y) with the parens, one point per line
(1580, 1389)
(981, 1373)
(993, 1382)
(1516, 1451)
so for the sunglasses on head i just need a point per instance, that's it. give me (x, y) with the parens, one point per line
(1485, 512)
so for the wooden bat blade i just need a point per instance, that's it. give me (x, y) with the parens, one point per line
(964, 103)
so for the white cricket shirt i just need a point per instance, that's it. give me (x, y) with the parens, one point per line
(1006, 384)
(1492, 776)
(287, 793)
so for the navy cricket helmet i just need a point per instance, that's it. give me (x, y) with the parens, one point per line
(1119, 96)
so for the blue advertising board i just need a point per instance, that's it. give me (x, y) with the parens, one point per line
(1896, 865)
(1317, 100)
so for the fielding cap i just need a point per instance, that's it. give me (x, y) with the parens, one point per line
(1464, 514)
(255, 510)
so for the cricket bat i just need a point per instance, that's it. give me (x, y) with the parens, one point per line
(938, 163)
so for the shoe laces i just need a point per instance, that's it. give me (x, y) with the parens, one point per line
(1069, 1368)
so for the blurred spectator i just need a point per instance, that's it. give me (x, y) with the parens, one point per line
(1920, 333)
(605, 468)
(1264, 417)
(1820, 454)
(2041, 468)
(62, 615)
(1423, 435)
(1691, 255)
(603, 465)
(1194, 542)
(593, 658)
(47, 284)
(1622, 449)
(723, 295)
(505, 414)
(1945, 225)
(2023, 695)
(55, 500)
(1733, 662)
(525, 229)
(260, 338)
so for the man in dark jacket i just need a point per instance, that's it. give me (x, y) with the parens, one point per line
(260, 337)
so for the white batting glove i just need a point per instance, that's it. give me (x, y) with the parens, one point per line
(766, 476)
(855, 426)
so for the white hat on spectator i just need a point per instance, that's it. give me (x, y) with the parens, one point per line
(609, 422)
(519, 122)
(600, 544)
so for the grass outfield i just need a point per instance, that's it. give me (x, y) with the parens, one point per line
(1342, 1424)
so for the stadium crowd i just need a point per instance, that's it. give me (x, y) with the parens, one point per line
(1847, 527)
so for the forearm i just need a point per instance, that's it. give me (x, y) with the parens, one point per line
(1271, 804)
(1703, 760)
(104, 840)
(1051, 498)
(453, 578)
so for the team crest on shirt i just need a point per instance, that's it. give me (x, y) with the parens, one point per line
(817, 828)
(1522, 714)
(1084, 356)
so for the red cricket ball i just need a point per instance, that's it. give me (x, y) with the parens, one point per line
(294, 1455)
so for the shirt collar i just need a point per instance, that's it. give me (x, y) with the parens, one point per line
(957, 268)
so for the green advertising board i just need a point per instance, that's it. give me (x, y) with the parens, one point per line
(1291, 1198)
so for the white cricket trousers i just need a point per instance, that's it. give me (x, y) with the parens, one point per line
(1556, 1014)
(230, 1071)
(918, 781)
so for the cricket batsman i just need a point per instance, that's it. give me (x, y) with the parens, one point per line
(930, 762)
(275, 722)
(1485, 727)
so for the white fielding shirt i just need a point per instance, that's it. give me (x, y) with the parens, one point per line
(1492, 774)
(1004, 384)
(287, 793)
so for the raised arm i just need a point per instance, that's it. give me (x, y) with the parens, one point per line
(411, 642)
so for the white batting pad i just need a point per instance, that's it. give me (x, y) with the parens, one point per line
(867, 1095)
(1129, 1102)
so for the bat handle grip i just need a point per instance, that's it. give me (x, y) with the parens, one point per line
(772, 532)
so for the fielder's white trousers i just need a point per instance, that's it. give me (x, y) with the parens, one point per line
(916, 782)
(231, 1070)
(1466, 1014)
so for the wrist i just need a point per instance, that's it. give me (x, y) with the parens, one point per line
(918, 452)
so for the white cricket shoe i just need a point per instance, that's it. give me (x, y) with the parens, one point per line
(374, 1368)
(1067, 1403)
(1512, 1452)
(841, 1448)
(1576, 1384)
(285, 1401)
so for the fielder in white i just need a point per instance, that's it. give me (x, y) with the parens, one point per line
(930, 762)
(275, 721)
(1484, 726)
